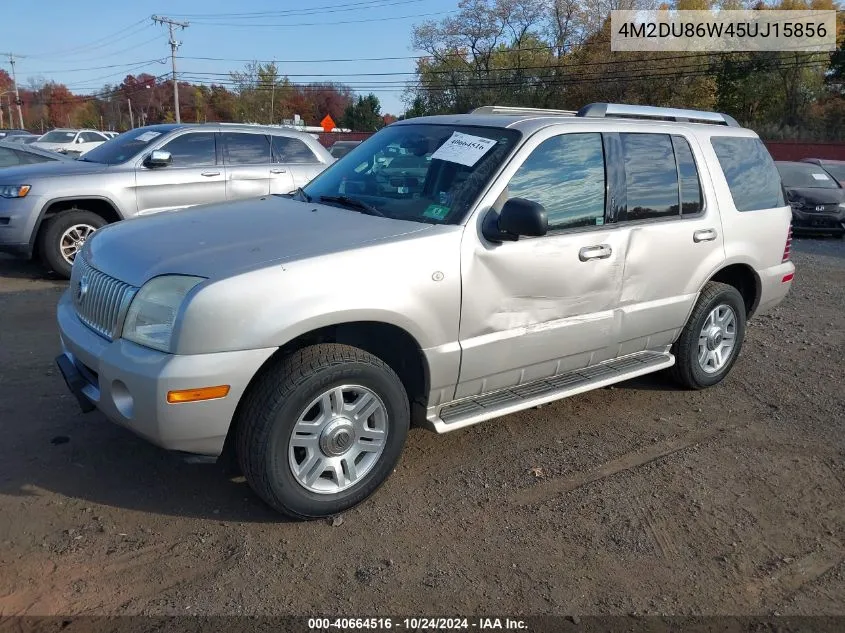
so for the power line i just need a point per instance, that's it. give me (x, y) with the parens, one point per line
(382, 19)
(173, 46)
(94, 44)
(348, 6)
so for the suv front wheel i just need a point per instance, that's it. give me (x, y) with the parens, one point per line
(321, 430)
(712, 338)
(64, 236)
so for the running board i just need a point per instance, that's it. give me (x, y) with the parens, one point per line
(475, 409)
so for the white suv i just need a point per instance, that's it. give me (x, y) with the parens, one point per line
(513, 257)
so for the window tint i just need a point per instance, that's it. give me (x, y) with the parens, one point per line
(566, 175)
(291, 150)
(91, 137)
(245, 149)
(750, 172)
(8, 157)
(192, 149)
(691, 199)
(651, 176)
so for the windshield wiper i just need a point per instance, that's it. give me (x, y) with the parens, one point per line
(354, 203)
(299, 191)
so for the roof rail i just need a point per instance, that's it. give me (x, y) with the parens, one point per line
(621, 110)
(494, 109)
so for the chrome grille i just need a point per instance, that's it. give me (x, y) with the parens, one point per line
(101, 301)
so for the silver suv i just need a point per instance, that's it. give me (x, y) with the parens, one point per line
(448, 270)
(51, 209)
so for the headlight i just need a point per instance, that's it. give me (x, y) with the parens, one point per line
(152, 313)
(842, 205)
(14, 191)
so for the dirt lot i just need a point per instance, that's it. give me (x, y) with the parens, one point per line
(637, 499)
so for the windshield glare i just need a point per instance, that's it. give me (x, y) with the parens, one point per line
(122, 148)
(57, 136)
(423, 172)
(837, 171)
(806, 176)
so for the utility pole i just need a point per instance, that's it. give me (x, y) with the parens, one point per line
(273, 93)
(131, 116)
(158, 19)
(11, 57)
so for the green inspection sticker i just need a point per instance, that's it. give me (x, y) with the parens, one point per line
(436, 211)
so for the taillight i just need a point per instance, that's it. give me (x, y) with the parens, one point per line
(787, 250)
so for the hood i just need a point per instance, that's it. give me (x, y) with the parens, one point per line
(816, 195)
(49, 169)
(219, 240)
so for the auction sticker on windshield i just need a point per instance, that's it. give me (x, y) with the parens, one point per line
(147, 136)
(463, 149)
(820, 176)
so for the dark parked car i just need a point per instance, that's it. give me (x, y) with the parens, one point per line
(835, 168)
(816, 198)
(21, 139)
(342, 148)
(15, 154)
(5, 133)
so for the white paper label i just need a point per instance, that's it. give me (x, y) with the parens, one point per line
(464, 149)
(820, 176)
(147, 136)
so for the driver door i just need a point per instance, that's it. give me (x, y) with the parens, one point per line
(193, 176)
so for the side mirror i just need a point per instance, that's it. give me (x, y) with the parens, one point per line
(518, 217)
(79, 139)
(158, 158)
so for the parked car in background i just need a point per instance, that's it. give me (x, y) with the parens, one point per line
(7, 133)
(835, 168)
(14, 154)
(546, 254)
(51, 209)
(342, 148)
(816, 198)
(71, 141)
(111, 134)
(21, 139)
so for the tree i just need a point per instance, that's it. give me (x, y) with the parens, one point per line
(364, 115)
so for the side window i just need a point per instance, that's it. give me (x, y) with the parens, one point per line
(193, 149)
(8, 157)
(691, 198)
(651, 176)
(566, 175)
(91, 137)
(750, 172)
(245, 149)
(291, 150)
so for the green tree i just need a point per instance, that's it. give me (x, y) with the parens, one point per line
(364, 115)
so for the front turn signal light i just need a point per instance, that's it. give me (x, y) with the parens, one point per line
(196, 395)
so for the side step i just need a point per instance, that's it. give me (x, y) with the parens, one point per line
(475, 409)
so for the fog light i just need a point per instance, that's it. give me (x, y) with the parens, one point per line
(195, 395)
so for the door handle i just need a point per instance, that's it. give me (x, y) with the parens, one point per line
(704, 235)
(602, 251)
(278, 171)
(210, 173)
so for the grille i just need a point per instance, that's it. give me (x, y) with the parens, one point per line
(101, 301)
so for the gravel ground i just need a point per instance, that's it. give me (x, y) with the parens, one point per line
(638, 499)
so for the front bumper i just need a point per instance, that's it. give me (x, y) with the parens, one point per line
(129, 384)
(18, 217)
(822, 222)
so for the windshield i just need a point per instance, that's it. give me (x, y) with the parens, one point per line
(58, 136)
(122, 148)
(837, 171)
(425, 173)
(806, 177)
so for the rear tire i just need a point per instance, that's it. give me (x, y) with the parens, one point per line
(321, 429)
(64, 236)
(711, 340)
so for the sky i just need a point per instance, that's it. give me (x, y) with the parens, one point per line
(87, 43)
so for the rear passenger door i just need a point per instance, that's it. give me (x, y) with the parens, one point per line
(294, 164)
(246, 156)
(675, 236)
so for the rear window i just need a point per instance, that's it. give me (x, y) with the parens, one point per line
(750, 172)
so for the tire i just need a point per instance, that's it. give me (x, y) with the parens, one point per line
(50, 245)
(688, 370)
(287, 396)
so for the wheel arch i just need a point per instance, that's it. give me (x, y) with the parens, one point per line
(745, 279)
(103, 206)
(391, 343)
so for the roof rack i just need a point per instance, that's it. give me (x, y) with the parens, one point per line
(517, 110)
(621, 110)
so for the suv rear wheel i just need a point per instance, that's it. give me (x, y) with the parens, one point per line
(321, 430)
(64, 236)
(712, 338)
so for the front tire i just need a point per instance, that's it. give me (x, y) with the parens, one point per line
(321, 430)
(64, 236)
(712, 338)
